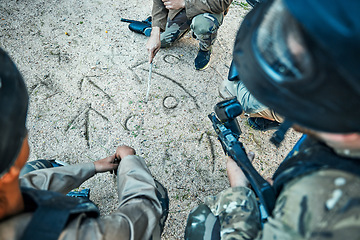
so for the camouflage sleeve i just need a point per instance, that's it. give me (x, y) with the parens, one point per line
(238, 212)
(321, 205)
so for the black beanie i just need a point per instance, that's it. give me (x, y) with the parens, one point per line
(13, 109)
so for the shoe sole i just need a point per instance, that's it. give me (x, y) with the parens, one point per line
(205, 67)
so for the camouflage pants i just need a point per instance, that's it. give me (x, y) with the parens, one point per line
(204, 27)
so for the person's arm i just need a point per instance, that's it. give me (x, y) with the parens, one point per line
(159, 17)
(236, 207)
(317, 205)
(159, 14)
(153, 44)
(238, 213)
(65, 179)
(139, 209)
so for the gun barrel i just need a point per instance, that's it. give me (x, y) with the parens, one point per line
(127, 20)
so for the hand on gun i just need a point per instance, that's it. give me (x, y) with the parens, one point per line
(228, 132)
(153, 44)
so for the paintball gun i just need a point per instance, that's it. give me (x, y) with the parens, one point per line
(253, 3)
(228, 131)
(85, 193)
(142, 27)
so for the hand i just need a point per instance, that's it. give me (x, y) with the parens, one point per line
(111, 163)
(153, 44)
(174, 4)
(106, 164)
(236, 176)
(124, 151)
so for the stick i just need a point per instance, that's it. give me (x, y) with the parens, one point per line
(149, 83)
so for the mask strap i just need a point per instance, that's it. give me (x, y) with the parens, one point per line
(279, 135)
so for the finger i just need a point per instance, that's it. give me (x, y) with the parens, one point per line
(251, 156)
(168, 4)
(155, 51)
(151, 56)
(269, 180)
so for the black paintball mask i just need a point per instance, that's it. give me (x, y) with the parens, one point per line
(13, 110)
(301, 58)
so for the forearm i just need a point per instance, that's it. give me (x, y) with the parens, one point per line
(238, 213)
(58, 179)
(159, 14)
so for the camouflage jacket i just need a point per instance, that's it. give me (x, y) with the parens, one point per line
(192, 7)
(324, 204)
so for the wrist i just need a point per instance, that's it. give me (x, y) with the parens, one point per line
(155, 32)
(96, 167)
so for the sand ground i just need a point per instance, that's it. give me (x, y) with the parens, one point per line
(87, 73)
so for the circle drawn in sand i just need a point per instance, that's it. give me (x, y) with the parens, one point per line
(170, 102)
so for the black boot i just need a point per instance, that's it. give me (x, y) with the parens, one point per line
(202, 59)
(262, 124)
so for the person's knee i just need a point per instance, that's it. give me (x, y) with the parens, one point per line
(204, 24)
(248, 102)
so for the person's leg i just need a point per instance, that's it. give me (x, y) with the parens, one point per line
(202, 224)
(260, 117)
(163, 197)
(248, 102)
(269, 115)
(175, 29)
(204, 27)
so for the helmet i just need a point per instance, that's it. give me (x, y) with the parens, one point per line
(301, 58)
(13, 110)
